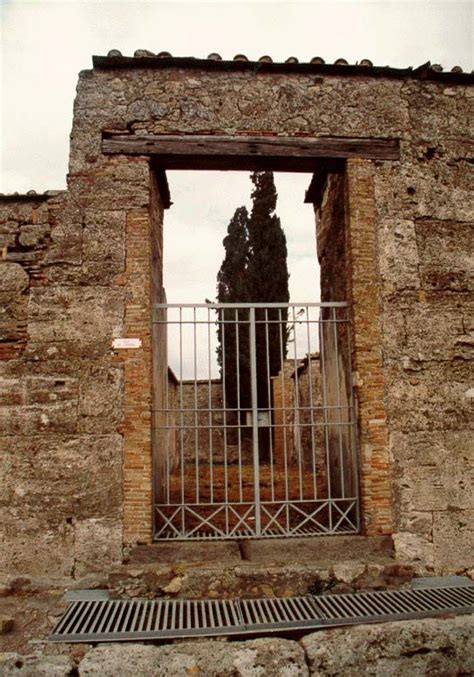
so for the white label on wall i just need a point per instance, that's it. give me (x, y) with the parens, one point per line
(127, 343)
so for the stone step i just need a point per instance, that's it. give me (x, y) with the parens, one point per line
(256, 568)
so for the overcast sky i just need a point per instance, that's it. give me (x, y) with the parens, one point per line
(46, 44)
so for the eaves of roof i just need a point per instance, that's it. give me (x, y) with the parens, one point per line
(164, 60)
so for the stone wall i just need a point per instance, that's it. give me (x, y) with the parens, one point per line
(61, 477)
(76, 273)
(203, 431)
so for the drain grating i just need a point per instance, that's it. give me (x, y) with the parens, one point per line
(121, 620)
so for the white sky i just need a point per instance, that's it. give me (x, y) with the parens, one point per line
(46, 44)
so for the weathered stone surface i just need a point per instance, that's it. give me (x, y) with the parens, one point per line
(433, 470)
(432, 399)
(31, 420)
(80, 313)
(180, 552)
(103, 245)
(399, 266)
(453, 537)
(415, 548)
(82, 473)
(332, 549)
(419, 647)
(97, 544)
(33, 235)
(420, 333)
(12, 277)
(6, 624)
(445, 263)
(100, 399)
(35, 547)
(254, 658)
(35, 665)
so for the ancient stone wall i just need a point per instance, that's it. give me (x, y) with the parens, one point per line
(203, 431)
(61, 484)
(76, 418)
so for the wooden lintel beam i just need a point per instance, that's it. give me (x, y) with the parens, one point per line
(193, 152)
(315, 192)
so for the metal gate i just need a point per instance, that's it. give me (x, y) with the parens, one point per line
(254, 427)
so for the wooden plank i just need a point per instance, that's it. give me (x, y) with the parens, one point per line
(190, 151)
(316, 188)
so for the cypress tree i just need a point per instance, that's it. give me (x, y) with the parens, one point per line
(254, 269)
(232, 285)
(267, 275)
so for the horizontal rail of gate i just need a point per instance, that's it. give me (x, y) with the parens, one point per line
(254, 425)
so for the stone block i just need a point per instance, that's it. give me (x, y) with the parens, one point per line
(453, 539)
(100, 400)
(103, 245)
(35, 665)
(433, 398)
(259, 657)
(122, 185)
(97, 545)
(421, 191)
(13, 278)
(418, 523)
(33, 235)
(12, 391)
(419, 647)
(44, 390)
(32, 547)
(82, 313)
(445, 254)
(30, 420)
(61, 477)
(433, 470)
(423, 332)
(63, 357)
(414, 549)
(398, 255)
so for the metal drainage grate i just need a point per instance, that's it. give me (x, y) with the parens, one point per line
(122, 620)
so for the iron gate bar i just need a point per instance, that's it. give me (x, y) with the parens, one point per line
(316, 432)
(131, 620)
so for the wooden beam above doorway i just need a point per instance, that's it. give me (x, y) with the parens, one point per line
(247, 152)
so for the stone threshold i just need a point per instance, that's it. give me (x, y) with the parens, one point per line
(255, 568)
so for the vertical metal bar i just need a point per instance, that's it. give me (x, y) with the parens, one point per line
(269, 395)
(322, 349)
(339, 405)
(196, 428)
(311, 403)
(224, 402)
(253, 381)
(181, 418)
(283, 404)
(239, 437)
(296, 409)
(168, 432)
(211, 411)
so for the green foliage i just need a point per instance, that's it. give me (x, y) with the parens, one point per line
(254, 269)
(267, 281)
(233, 349)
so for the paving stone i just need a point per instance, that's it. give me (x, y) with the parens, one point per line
(419, 647)
(254, 658)
(35, 665)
